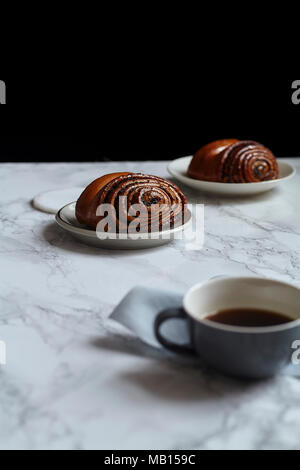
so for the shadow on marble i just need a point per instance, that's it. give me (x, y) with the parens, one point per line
(171, 377)
(174, 383)
(255, 199)
(55, 236)
(135, 347)
(127, 345)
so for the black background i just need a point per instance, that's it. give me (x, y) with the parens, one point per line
(61, 118)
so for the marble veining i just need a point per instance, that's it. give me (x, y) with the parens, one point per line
(76, 380)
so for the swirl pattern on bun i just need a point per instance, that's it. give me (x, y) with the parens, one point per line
(162, 202)
(234, 161)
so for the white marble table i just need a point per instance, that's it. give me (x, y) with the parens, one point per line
(75, 380)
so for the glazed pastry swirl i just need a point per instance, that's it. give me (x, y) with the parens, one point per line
(248, 162)
(234, 161)
(162, 202)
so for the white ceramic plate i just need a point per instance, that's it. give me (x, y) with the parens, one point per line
(66, 219)
(178, 168)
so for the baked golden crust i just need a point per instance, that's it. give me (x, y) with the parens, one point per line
(152, 192)
(234, 161)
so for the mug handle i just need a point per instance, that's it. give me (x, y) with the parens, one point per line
(173, 347)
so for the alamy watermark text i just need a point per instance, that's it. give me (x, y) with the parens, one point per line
(2, 353)
(2, 92)
(296, 92)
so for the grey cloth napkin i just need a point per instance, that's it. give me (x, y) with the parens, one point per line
(139, 309)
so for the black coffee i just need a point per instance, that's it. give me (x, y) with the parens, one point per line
(249, 318)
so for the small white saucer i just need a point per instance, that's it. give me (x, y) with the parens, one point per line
(66, 219)
(51, 201)
(178, 168)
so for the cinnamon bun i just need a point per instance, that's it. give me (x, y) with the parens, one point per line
(234, 161)
(162, 204)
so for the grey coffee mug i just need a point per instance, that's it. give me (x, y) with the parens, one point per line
(253, 353)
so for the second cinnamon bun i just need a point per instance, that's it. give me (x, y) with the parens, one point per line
(234, 161)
